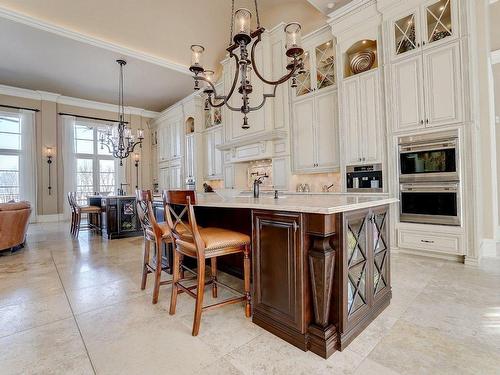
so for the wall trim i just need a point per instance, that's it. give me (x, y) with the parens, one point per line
(68, 100)
(495, 57)
(50, 218)
(488, 247)
(80, 37)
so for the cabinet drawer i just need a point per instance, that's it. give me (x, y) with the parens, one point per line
(443, 243)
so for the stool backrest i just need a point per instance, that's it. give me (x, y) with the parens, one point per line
(144, 199)
(190, 233)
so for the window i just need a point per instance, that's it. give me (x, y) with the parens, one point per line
(10, 154)
(95, 166)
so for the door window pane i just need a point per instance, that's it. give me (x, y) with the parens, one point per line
(325, 65)
(107, 180)
(84, 179)
(304, 79)
(9, 178)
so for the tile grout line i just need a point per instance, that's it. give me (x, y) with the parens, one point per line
(74, 317)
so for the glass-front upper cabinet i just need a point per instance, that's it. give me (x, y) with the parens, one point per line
(438, 20)
(405, 36)
(434, 21)
(319, 68)
(325, 65)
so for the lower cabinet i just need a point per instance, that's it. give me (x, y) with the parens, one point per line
(365, 263)
(278, 272)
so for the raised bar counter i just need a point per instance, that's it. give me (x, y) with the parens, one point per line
(320, 263)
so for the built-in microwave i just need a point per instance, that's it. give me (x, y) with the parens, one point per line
(430, 203)
(429, 157)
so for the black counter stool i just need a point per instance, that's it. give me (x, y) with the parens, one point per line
(202, 243)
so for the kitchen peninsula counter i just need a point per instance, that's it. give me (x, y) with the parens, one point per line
(320, 263)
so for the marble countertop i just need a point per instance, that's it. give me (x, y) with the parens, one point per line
(320, 203)
(111, 196)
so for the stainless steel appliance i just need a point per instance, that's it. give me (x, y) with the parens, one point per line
(429, 157)
(430, 203)
(364, 178)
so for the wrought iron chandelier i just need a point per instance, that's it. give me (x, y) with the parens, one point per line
(120, 141)
(240, 38)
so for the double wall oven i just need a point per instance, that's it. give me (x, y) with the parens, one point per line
(429, 179)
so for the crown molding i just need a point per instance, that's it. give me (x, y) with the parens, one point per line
(68, 100)
(45, 26)
(348, 8)
(19, 92)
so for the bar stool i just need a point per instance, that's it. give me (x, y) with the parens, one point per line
(78, 211)
(201, 244)
(154, 232)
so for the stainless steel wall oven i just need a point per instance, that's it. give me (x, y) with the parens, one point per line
(429, 179)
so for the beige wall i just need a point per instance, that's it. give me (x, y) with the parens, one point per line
(48, 134)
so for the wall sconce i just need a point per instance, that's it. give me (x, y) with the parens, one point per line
(48, 151)
(136, 163)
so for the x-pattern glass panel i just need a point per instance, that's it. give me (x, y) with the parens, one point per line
(439, 20)
(404, 29)
(380, 252)
(325, 65)
(304, 79)
(356, 286)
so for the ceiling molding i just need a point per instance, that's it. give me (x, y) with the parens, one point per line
(42, 25)
(68, 100)
(348, 9)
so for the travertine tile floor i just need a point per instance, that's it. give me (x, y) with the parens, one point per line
(75, 307)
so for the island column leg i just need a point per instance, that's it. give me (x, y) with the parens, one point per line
(321, 257)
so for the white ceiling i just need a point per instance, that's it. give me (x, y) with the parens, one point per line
(153, 36)
(40, 60)
(328, 6)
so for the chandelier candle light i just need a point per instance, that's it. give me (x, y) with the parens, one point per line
(244, 63)
(120, 141)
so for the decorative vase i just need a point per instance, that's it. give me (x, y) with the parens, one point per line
(362, 61)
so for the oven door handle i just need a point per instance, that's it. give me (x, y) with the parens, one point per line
(427, 147)
(429, 189)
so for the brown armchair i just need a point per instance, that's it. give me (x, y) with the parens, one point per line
(14, 219)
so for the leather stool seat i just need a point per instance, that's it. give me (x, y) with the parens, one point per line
(217, 239)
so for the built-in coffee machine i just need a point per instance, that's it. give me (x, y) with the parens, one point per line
(364, 178)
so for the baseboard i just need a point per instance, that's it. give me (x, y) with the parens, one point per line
(50, 218)
(431, 254)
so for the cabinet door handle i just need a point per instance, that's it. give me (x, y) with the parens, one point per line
(421, 122)
(423, 43)
(426, 241)
(427, 121)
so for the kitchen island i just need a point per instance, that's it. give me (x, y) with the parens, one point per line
(320, 263)
(119, 217)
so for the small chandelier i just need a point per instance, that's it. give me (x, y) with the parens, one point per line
(240, 39)
(120, 141)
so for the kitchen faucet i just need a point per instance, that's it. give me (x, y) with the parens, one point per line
(327, 188)
(120, 190)
(256, 183)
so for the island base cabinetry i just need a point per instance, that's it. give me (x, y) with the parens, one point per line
(319, 280)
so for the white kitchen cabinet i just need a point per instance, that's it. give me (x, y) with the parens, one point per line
(427, 89)
(315, 133)
(176, 126)
(164, 178)
(362, 119)
(407, 89)
(433, 23)
(175, 173)
(303, 134)
(443, 89)
(164, 143)
(189, 158)
(213, 156)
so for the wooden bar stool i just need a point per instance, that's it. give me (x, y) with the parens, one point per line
(157, 233)
(78, 211)
(201, 244)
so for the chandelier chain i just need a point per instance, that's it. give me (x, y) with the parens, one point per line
(257, 14)
(232, 22)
